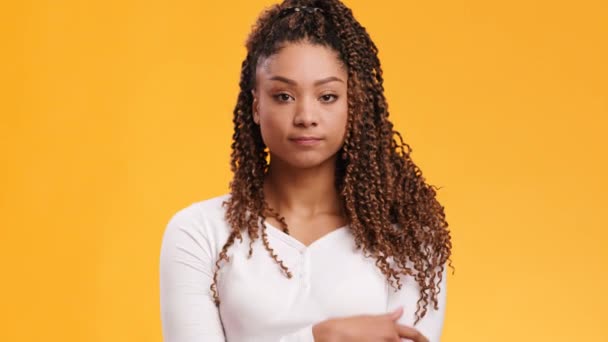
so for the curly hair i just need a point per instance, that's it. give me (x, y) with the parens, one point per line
(392, 212)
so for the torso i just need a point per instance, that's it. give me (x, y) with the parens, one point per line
(258, 302)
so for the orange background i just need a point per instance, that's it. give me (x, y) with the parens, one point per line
(115, 114)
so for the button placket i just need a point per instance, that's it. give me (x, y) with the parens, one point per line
(305, 272)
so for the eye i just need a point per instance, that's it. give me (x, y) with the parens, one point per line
(282, 97)
(329, 98)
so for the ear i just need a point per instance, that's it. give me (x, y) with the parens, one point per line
(254, 107)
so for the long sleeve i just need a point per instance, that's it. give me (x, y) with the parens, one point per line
(187, 261)
(431, 325)
(188, 312)
(302, 335)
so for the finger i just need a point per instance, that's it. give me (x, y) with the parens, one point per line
(411, 333)
(395, 314)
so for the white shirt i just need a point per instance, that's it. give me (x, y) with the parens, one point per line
(331, 278)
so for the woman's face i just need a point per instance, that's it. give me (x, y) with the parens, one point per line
(300, 103)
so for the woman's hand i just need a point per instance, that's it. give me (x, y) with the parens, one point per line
(366, 328)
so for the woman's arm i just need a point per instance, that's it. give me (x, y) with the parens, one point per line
(188, 313)
(431, 325)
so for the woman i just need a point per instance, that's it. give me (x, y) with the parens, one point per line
(329, 232)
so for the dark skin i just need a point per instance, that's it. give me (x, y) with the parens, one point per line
(289, 105)
(300, 103)
(366, 328)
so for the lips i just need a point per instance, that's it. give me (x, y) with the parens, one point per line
(306, 140)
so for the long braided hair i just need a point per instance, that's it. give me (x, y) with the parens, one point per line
(392, 212)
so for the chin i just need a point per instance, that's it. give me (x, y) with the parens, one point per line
(304, 159)
(307, 162)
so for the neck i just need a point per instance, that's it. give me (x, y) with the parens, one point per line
(302, 192)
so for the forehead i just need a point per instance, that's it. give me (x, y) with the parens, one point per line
(302, 62)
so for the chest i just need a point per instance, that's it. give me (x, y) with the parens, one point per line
(331, 278)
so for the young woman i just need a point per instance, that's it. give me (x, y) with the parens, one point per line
(329, 232)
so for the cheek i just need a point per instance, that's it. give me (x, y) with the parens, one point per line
(339, 121)
(273, 126)
(275, 117)
(273, 114)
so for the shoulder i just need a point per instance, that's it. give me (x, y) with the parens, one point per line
(201, 220)
(211, 208)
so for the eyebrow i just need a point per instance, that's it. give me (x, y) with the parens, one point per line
(316, 83)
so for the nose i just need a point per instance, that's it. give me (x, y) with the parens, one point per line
(306, 113)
